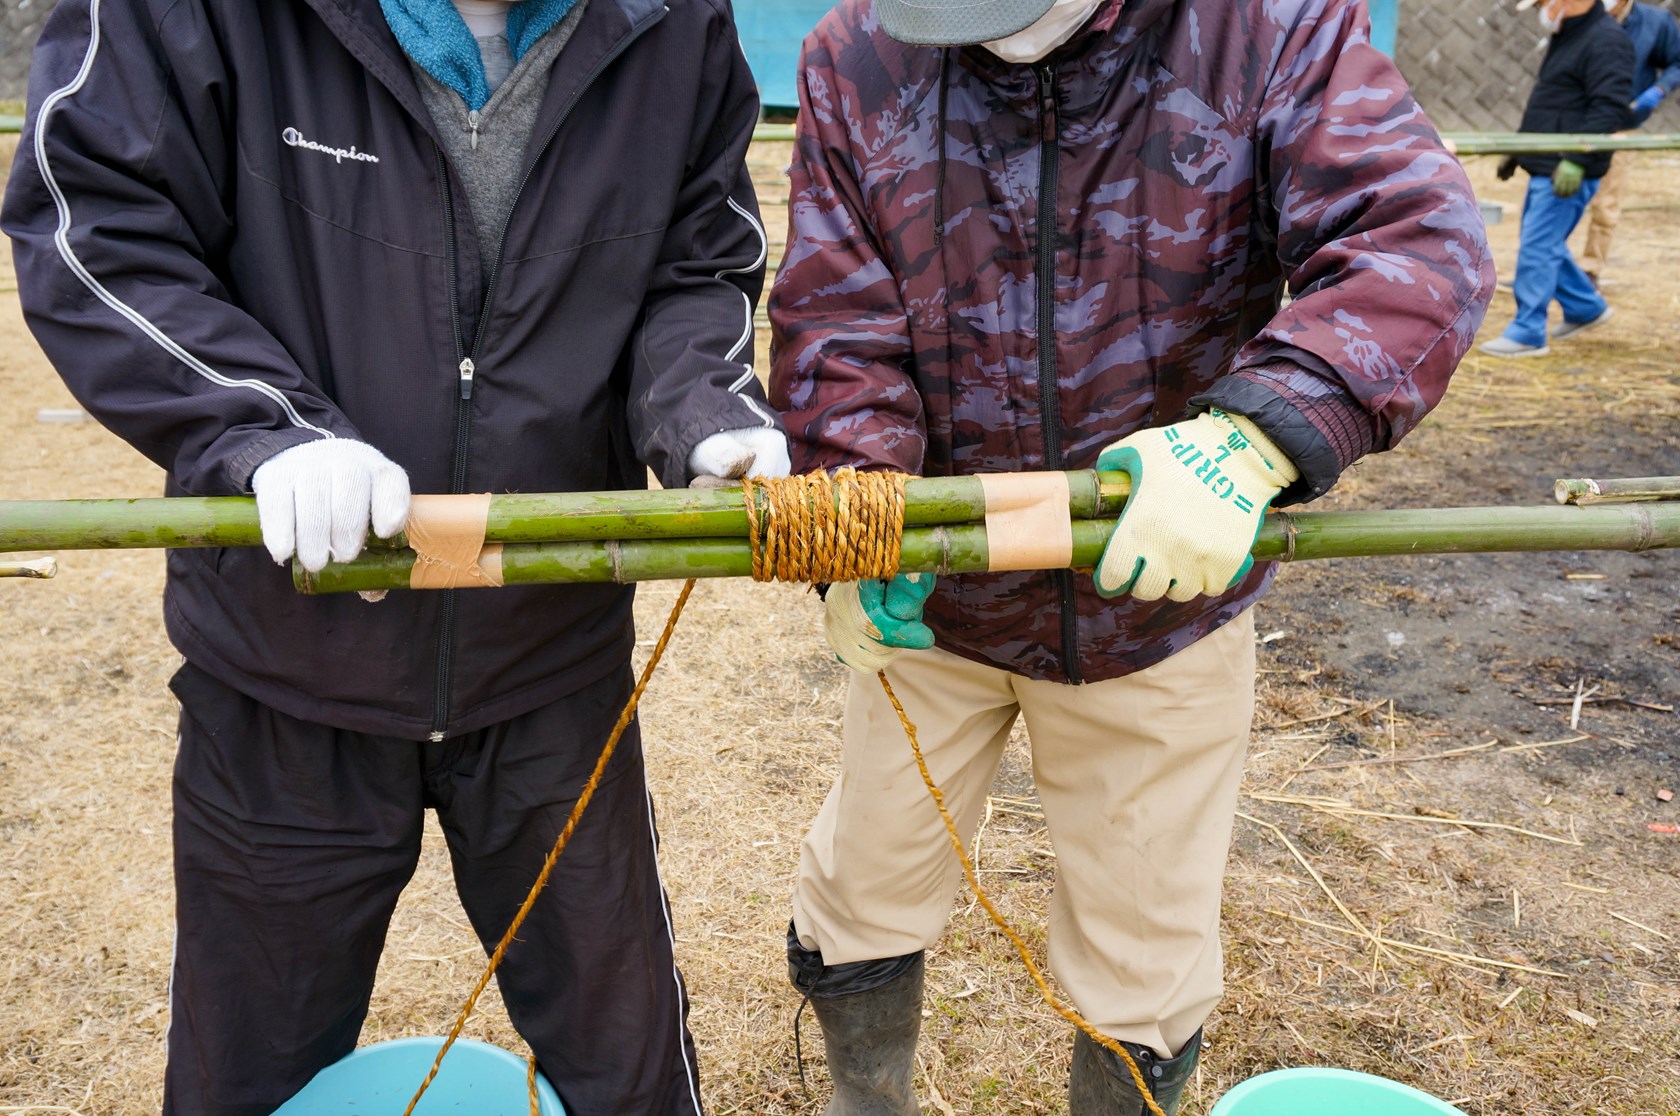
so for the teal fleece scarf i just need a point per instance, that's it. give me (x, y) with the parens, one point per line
(433, 33)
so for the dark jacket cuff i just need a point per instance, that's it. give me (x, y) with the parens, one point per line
(243, 464)
(1322, 432)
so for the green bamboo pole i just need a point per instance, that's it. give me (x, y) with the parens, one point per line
(195, 521)
(1541, 143)
(1464, 143)
(963, 549)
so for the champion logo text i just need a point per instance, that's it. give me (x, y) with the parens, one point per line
(294, 138)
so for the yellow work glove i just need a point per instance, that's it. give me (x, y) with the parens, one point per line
(1200, 490)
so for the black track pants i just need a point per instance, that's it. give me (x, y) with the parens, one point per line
(293, 840)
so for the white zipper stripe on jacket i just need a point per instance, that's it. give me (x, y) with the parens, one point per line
(670, 932)
(763, 254)
(61, 238)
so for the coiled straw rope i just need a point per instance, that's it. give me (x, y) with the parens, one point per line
(821, 528)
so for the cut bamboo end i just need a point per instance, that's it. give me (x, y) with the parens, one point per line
(1621, 490)
(42, 568)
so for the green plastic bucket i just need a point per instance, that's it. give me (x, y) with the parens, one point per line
(476, 1079)
(1317, 1091)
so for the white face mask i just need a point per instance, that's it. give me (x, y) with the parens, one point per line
(1552, 23)
(1053, 28)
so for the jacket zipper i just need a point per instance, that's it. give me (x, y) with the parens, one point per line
(467, 360)
(1049, 392)
(457, 480)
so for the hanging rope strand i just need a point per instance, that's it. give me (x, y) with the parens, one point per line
(1064, 1010)
(811, 528)
(560, 842)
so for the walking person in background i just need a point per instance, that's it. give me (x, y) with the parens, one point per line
(324, 250)
(1585, 87)
(1656, 52)
(1035, 235)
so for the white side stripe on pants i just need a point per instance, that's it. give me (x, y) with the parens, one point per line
(676, 975)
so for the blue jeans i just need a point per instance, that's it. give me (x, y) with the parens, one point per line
(1545, 269)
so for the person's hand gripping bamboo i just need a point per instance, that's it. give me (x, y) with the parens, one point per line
(869, 622)
(1200, 490)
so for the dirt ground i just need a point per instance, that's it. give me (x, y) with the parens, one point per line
(1528, 963)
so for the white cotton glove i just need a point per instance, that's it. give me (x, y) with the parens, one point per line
(761, 451)
(318, 499)
(869, 622)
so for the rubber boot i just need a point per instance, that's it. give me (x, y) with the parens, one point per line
(870, 1013)
(1101, 1085)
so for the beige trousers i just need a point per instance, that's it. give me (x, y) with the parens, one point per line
(1138, 777)
(1604, 215)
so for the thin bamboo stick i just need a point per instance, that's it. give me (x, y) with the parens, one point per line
(1585, 490)
(194, 521)
(33, 567)
(963, 548)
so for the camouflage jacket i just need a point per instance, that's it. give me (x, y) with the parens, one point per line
(1143, 196)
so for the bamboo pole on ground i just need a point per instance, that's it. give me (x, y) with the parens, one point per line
(1619, 491)
(33, 567)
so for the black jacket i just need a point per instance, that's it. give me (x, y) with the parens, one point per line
(1585, 85)
(235, 230)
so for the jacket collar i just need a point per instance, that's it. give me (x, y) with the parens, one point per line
(1574, 24)
(605, 27)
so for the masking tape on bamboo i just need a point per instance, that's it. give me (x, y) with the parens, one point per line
(446, 534)
(1027, 522)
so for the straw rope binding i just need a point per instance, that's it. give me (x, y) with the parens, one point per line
(822, 528)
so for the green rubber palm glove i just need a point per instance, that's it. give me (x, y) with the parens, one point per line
(1567, 178)
(869, 622)
(1200, 490)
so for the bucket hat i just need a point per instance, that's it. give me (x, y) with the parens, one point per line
(957, 22)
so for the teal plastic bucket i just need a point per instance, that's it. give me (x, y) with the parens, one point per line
(476, 1079)
(1316, 1091)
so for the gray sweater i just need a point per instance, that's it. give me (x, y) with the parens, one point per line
(487, 147)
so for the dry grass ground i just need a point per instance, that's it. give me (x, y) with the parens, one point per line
(1528, 973)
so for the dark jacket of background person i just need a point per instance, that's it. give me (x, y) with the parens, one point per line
(236, 229)
(1585, 84)
(1193, 159)
(1656, 51)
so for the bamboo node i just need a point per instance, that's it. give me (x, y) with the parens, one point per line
(821, 528)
